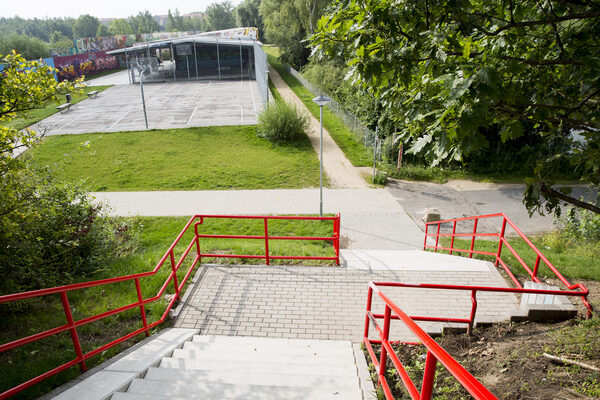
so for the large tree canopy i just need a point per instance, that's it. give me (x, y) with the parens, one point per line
(288, 23)
(220, 16)
(452, 71)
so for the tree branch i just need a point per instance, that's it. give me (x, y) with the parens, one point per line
(571, 200)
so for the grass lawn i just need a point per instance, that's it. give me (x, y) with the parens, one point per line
(34, 116)
(204, 158)
(156, 234)
(575, 260)
(352, 147)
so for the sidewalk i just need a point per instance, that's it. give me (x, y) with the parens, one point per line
(341, 173)
(371, 218)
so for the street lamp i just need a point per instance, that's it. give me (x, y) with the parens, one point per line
(267, 77)
(321, 101)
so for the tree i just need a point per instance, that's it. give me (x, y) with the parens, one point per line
(174, 22)
(102, 31)
(247, 14)
(288, 23)
(452, 73)
(120, 26)
(144, 22)
(220, 16)
(59, 43)
(85, 26)
(50, 232)
(30, 47)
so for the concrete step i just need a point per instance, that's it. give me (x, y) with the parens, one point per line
(252, 355)
(250, 377)
(217, 390)
(543, 307)
(315, 368)
(273, 348)
(248, 340)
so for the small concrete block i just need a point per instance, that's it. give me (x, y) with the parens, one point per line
(431, 215)
(150, 354)
(99, 386)
(366, 383)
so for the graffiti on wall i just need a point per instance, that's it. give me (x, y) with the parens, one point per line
(70, 67)
(107, 43)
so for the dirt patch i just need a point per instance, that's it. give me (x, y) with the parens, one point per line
(509, 359)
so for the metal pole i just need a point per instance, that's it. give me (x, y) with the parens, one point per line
(241, 63)
(375, 154)
(174, 64)
(142, 71)
(187, 61)
(128, 66)
(321, 166)
(218, 60)
(196, 60)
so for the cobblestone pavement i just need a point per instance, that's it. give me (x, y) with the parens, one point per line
(326, 302)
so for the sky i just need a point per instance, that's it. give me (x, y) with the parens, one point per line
(99, 8)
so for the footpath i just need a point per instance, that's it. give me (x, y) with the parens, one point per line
(341, 173)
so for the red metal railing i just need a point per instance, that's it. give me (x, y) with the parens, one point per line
(502, 242)
(435, 352)
(72, 324)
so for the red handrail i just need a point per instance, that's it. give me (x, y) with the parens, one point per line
(502, 241)
(72, 324)
(435, 352)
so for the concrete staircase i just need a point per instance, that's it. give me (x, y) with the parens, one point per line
(237, 367)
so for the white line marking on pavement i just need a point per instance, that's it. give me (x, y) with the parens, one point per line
(191, 116)
(119, 120)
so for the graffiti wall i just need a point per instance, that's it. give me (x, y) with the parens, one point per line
(70, 67)
(107, 43)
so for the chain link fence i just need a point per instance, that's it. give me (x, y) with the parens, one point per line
(260, 60)
(366, 135)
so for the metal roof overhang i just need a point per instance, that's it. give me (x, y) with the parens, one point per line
(191, 39)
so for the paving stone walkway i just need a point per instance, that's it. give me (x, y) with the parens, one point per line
(329, 302)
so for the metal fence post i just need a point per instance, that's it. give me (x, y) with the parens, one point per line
(473, 238)
(138, 289)
(500, 239)
(266, 241)
(428, 376)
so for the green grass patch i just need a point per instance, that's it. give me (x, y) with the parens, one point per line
(105, 73)
(573, 259)
(34, 116)
(352, 147)
(157, 233)
(203, 158)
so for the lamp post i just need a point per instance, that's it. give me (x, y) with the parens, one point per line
(321, 101)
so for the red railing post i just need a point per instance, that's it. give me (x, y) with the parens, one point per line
(437, 237)
(426, 235)
(500, 241)
(138, 289)
(386, 335)
(172, 257)
(367, 319)
(473, 311)
(452, 240)
(336, 235)
(266, 241)
(536, 266)
(473, 238)
(72, 330)
(197, 238)
(428, 376)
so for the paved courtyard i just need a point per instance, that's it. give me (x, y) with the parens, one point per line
(329, 302)
(169, 105)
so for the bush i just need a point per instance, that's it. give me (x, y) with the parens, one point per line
(281, 120)
(580, 224)
(53, 233)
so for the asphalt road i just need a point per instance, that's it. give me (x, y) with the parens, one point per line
(457, 199)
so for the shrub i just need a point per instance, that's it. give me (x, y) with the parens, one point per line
(580, 224)
(53, 233)
(281, 120)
